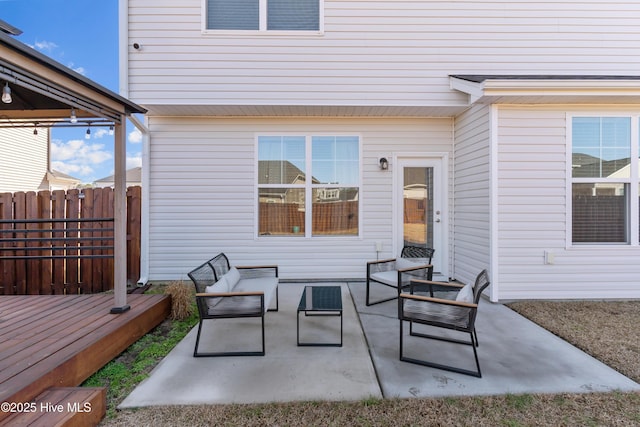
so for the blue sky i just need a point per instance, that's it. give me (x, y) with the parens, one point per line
(81, 35)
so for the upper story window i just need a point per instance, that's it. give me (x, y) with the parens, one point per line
(263, 15)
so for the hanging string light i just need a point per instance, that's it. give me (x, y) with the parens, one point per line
(6, 94)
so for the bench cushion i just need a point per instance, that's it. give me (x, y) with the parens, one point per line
(233, 277)
(268, 285)
(244, 305)
(220, 286)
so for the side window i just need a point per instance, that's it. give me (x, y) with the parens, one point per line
(601, 179)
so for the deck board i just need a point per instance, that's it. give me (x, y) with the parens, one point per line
(60, 340)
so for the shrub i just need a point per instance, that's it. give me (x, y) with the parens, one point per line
(181, 300)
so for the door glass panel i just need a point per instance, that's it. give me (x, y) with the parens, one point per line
(418, 206)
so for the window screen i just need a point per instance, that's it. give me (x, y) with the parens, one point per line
(233, 15)
(300, 15)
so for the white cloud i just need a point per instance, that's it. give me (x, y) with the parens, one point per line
(77, 157)
(135, 136)
(134, 161)
(71, 169)
(79, 70)
(45, 45)
(99, 133)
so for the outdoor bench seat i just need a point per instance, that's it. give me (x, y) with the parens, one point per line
(224, 292)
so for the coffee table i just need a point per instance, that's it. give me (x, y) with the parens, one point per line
(320, 301)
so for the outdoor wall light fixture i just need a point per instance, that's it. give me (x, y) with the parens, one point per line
(73, 118)
(6, 94)
(111, 131)
(384, 163)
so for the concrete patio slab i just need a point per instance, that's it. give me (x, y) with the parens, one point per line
(286, 373)
(516, 356)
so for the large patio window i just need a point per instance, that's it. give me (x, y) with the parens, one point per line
(308, 185)
(601, 179)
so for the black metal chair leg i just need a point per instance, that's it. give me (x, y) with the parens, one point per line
(195, 350)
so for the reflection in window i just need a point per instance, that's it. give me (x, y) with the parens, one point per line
(335, 211)
(601, 147)
(333, 186)
(281, 211)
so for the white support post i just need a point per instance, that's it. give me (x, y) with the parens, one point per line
(120, 219)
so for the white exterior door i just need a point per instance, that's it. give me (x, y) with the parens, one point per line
(421, 207)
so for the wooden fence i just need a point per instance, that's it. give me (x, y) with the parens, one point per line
(62, 242)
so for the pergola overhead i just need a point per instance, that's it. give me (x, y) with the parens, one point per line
(43, 93)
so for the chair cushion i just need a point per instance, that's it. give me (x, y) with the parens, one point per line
(402, 263)
(465, 294)
(233, 277)
(388, 277)
(220, 286)
(436, 313)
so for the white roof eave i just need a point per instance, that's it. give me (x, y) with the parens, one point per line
(555, 90)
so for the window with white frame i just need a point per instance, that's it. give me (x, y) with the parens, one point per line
(603, 180)
(263, 15)
(308, 185)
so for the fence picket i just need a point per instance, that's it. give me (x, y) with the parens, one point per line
(19, 212)
(58, 210)
(73, 212)
(7, 267)
(86, 211)
(44, 211)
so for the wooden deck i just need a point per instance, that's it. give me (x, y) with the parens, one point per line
(60, 340)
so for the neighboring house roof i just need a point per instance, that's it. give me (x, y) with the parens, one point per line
(586, 166)
(133, 177)
(56, 180)
(281, 172)
(63, 176)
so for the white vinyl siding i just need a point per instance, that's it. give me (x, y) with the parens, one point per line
(23, 159)
(532, 216)
(202, 193)
(372, 53)
(471, 216)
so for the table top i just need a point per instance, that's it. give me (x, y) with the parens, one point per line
(321, 298)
